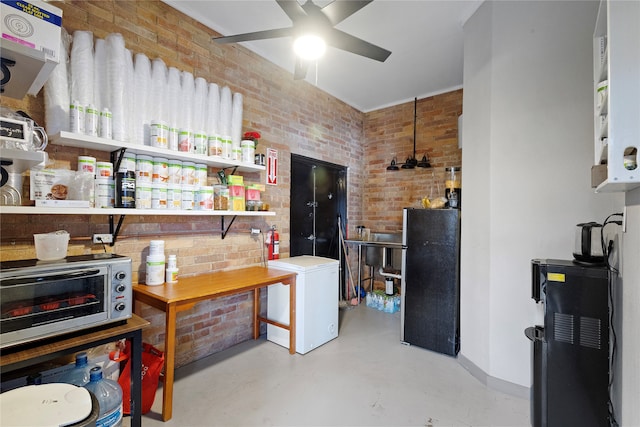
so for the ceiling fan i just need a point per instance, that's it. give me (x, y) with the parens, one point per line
(310, 18)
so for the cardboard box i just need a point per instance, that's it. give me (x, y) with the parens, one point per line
(34, 24)
(598, 175)
(237, 204)
(235, 180)
(252, 194)
(31, 33)
(236, 191)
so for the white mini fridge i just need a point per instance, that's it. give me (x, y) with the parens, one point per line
(316, 302)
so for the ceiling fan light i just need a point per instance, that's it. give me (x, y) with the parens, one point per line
(309, 47)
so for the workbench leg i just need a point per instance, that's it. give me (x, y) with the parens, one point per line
(256, 313)
(136, 379)
(169, 363)
(292, 316)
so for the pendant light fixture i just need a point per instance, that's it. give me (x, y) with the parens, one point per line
(411, 161)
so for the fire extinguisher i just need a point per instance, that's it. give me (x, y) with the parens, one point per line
(273, 243)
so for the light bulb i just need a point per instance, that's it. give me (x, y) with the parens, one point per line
(309, 47)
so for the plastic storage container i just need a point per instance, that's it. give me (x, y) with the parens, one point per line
(79, 375)
(51, 246)
(109, 396)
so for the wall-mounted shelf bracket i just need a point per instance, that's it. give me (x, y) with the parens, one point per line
(116, 158)
(224, 232)
(114, 232)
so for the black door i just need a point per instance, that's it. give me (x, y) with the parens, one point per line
(318, 201)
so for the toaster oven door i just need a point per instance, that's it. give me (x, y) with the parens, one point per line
(43, 304)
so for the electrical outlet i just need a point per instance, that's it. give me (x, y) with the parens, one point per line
(102, 238)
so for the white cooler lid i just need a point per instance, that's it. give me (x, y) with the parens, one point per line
(55, 404)
(302, 263)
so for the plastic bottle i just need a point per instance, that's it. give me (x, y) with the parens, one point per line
(80, 374)
(109, 396)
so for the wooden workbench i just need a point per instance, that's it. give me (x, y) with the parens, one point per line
(44, 350)
(173, 298)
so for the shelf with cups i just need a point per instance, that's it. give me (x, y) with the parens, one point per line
(70, 139)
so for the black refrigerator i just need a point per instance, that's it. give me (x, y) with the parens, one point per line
(430, 286)
(570, 351)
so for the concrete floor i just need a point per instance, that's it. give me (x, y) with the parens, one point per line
(365, 377)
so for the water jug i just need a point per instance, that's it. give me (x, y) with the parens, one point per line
(109, 395)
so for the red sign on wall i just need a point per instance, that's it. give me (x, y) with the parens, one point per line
(272, 166)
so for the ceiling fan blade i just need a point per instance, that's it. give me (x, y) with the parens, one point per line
(349, 43)
(338, 11)
(258, 35)
(301, 69)
(292, 8)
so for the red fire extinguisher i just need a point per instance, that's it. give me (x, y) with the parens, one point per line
(273, 243)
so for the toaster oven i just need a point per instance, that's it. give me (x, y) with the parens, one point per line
(42, 299)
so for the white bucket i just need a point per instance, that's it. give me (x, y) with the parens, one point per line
(144, 168)
(143, 195)
(174, 196)
(158, 196)
(104, 169)
(159, 134)
(187, 197)
(188, 173)
(160, 170)
(201, 175)
(205, 198)
(174, 168)
(215, 145)
(155, 270)
(86, 164)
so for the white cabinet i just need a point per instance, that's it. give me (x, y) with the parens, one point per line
(617, 94)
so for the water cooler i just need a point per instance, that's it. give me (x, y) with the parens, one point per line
(570, 360)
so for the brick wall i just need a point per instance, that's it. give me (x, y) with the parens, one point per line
(389, 133)
(292, 116)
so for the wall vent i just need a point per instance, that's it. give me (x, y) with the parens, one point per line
(590, 335)
(563, 327)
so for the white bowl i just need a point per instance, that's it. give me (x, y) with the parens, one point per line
(51, 246)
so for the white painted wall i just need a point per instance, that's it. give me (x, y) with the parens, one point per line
(526, 162)
(627, 368)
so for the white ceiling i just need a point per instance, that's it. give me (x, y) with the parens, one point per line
(424, 36)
